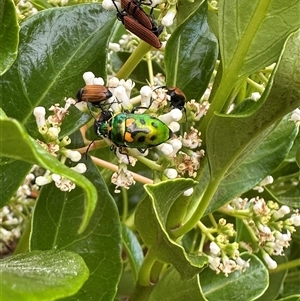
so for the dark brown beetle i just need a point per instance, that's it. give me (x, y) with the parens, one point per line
(95, 94)
(138, 22)
(133, 8)
(139, 30)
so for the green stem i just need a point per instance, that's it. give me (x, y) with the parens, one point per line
(150, 68)
(287, 265)
(257, 86)
(133, 60)
(198, 213)
(23, 244)
(145, 270)
(125, 204)
(149, 163)
(232, 68)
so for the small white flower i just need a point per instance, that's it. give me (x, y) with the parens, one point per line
(267, 180)
(115, 47)
(113, 82)
(295, 218)
(122, 97)
(53, 133)
(214, 263)
(214, 248)
(98, 81)
(255, 96)
(173, 115)
(243, 264)
(108, 4)
(296, 116)
(176, 144)
(41, 180)
(122, 178)
(171, 173)
(272, 264)
(75, 156)
(188, 192)
(166, 148)
(80, 168)
(174, 126)
(40, 113)
(146, 96)
(156, 2)
(283, 210)
(88, 77)
(168, 19)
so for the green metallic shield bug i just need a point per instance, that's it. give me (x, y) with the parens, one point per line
(130, 130)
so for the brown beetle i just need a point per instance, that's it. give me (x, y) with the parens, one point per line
(95, 94)
(138, 22)
(139, 30)
(133, 8)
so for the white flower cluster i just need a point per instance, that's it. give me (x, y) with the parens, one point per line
(50, 128)
(224, 257)
(271, 224)
(182, 150)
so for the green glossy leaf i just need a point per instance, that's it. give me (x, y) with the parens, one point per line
(178, 289)
(42, 275)
(231, 138)
(56, 218)
(191, 50)
(259, 163)
(55, 50)
(275, 281)
(290, 298)
(17, 144)
(12, 174)
(252, 33)
(9, 35)
(242, 286)
(151, 218)
(56, 47)
(133, 250)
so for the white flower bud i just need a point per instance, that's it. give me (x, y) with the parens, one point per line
(98, 81)
(88, 77)
(56, 177)
(281, 212)
(255, 96)
(296, 116)
(41, 180)
(272, 264)
(156, 2)
(188, 192)
(267, 180)
(176, 144)
(53, 133)
(295, 219)
(122, 97)
(115, 47)
(80, 168)
(166, 148)
(75, 156)
(107, 4)
(173, 115)
(113, 82)
(174, 126)
(40, 113)
(168, 19)
(214, 248)
(146, 95)
(171, 173)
